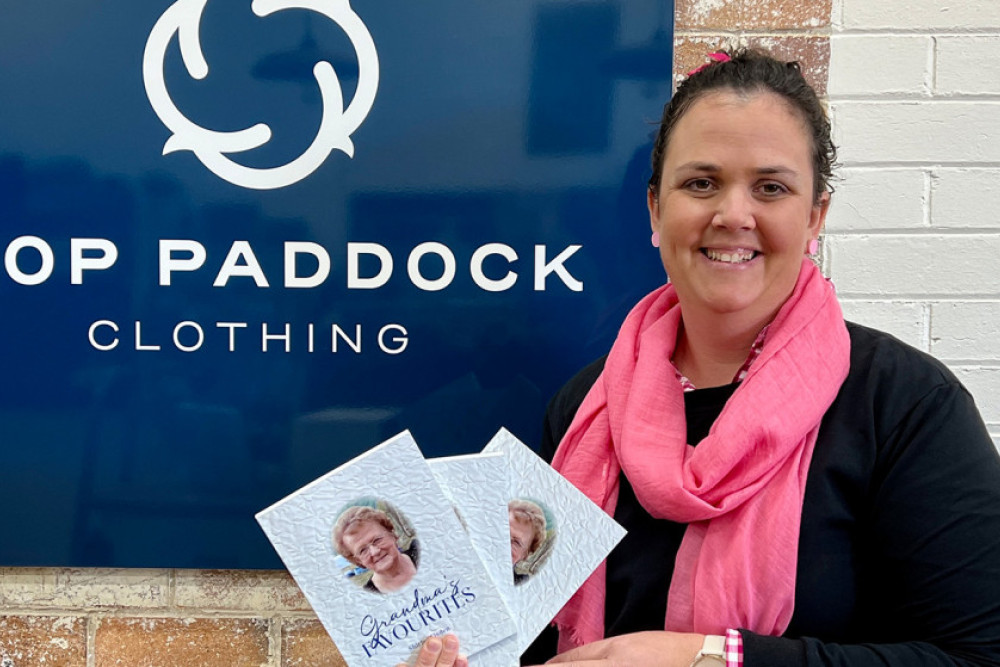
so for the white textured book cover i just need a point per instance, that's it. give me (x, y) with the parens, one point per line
(379, 552)
(558, 537)
(477, 485)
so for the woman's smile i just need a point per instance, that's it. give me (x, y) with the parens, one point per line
(733, 256)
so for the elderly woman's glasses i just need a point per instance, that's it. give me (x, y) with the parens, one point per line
(381, 543)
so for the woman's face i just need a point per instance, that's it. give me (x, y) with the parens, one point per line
(735, 208)
(521, 534)
(372, 546)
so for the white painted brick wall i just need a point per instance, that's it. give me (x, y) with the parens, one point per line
(868, 199)
(913, 236)
(905, 320)
(918, 131)
(966, 198)
(914, 265)
(968, 65)
(901, 65)
(965, 330)
(923, 15)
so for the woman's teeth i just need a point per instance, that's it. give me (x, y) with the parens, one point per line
(731, 257)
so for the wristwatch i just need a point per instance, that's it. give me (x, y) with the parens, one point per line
(712, 653)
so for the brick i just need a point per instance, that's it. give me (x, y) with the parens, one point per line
(917, 131)
(905, 266)
(173, 642)
(700, 14)
(984, 385)
(82, 588)
(304, 643)
(903, 319)
(785, 14)
(965, 198)
(966, 330)
(43, 641)
(902, 67)
(735, 15)
(968, 65)
(238, 590)
(920, 14)
(812, 53)
(875, 199)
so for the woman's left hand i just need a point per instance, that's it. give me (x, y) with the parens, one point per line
(440, 652)
(659, 649)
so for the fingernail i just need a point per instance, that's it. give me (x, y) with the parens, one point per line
(451, 642)
(434, 644)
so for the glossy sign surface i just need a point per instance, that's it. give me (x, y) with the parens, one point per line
(244, 242)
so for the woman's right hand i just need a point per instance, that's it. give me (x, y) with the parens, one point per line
(440, 652)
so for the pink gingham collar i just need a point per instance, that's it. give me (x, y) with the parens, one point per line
(758, 345)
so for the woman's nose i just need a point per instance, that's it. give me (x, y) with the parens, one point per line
(735, 210)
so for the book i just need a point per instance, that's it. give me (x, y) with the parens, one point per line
(558, 537)
(477, 485)
(381, 555)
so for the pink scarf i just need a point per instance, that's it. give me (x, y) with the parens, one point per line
(740, 490)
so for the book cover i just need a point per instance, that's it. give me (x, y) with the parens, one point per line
(477, 485)
(558, 537)
(381, 555)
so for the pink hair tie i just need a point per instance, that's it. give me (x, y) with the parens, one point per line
(717, 57)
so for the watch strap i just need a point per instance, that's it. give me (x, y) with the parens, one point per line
(713, 652)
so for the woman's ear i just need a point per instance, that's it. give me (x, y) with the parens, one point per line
(817, 218)
(653, 204)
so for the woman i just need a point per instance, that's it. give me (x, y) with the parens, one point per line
(841, 502)
(366, 537)
(527, 532)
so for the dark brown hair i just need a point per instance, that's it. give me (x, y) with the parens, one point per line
(746, 72)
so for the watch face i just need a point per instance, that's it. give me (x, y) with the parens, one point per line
(708, 661)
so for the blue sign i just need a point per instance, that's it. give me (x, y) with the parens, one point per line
(245, 241)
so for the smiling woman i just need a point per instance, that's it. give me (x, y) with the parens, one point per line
(367, 537)
(798, 490)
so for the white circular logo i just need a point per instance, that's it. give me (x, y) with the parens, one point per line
(210, 146)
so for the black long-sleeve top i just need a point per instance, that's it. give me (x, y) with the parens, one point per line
(899, 549)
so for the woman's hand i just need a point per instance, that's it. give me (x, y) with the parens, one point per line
(655, 649)
(440, 652)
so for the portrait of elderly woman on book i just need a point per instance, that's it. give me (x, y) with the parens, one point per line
(530, 538)
(367, 537)
(799, 491)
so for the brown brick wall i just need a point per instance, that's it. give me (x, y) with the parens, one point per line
(790, 29)
(54, 641)
(166, 618)
(194, 642)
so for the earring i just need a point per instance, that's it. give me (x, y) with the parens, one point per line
(655, 239)
(813, 247)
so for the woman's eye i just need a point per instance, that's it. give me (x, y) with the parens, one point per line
(699, 184)
(772, 188)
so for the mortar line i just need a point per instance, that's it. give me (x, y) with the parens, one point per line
(277, 625)
(92, 622)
